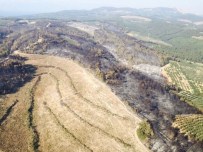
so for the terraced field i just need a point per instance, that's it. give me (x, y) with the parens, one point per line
(65, 108)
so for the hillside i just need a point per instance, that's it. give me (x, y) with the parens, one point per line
(95, 72)
(165, 29)
(66, 109)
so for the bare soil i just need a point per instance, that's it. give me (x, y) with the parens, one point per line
(65, 108)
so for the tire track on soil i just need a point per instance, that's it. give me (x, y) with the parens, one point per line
(30, 116)
(66, 130)
(81, 96)
(8, 112)
(83, 120)
(57, 120)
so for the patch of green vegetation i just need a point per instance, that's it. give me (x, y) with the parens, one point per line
(100, 74)
(193, 71)
(144, 131)
(190, 125)
(187, 76)
(191, 99)
(3, 53)
(184, 48)
(177, 34)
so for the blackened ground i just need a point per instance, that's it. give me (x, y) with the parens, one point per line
(14, 74)
(151, 99)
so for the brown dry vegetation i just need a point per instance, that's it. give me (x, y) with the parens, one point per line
(64, 108)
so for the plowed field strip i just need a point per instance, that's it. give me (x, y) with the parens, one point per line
(81, 96)
(66, 130)
(85, 121)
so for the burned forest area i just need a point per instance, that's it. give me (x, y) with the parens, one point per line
(30, 52)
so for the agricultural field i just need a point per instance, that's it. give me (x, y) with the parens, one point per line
(172, 38)
(190, 125)
(187, 76)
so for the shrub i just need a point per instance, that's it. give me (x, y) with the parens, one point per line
(100, 74)
(144, 131)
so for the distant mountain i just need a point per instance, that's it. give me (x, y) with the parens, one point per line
(158, 13)
(14, 14)
(106, 13)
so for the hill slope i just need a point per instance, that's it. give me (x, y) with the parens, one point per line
(64, 108)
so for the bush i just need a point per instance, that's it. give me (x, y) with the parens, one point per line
(3, 53)
(144, 131)
(100, 75)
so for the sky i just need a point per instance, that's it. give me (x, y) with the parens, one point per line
(42, 6)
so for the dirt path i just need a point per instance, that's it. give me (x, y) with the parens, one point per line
(65, 108)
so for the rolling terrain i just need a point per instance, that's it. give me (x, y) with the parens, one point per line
(167, 30)
(86, 82)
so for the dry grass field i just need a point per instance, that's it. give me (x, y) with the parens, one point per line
(66, 109)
